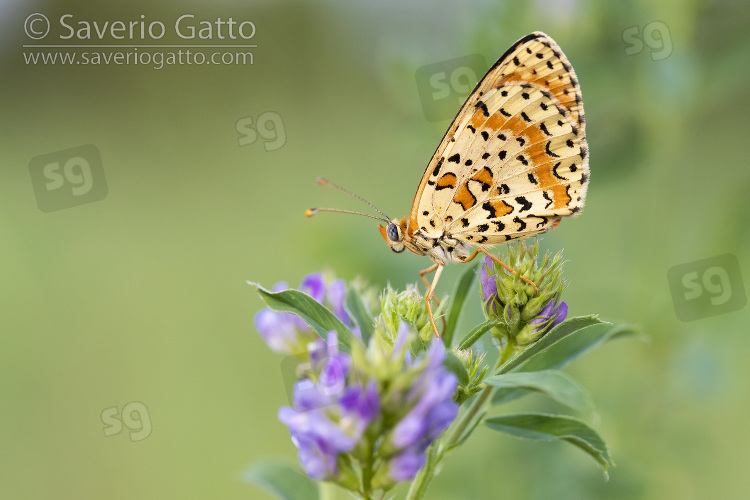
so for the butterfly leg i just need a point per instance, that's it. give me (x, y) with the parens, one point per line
(429, 294)
(508, 268)
(422, 274)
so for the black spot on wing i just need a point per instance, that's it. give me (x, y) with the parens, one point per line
(487, 206)
(525, 204)
(436, 170)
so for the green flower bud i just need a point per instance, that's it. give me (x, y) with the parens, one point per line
(473, 361)
(408, 306)
(526, 314)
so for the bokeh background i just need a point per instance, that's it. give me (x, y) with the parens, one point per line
(139, 296)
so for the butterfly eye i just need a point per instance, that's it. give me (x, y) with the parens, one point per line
(393, 233)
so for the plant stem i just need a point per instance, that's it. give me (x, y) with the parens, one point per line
(478, 403)
(419, 486)
(327, 490)
(367, 471)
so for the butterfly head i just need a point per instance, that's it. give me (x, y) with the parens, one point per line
(393, 234)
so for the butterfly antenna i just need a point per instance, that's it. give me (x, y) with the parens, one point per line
(312, 211)
(324, 182)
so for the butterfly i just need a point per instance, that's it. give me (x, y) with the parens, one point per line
(512, 164)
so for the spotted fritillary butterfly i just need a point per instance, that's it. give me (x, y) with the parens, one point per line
(513, 163)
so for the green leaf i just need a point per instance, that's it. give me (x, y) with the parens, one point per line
(359, 313)
(566, 351)
(282, 481)
(552, 383)
(567, 327)
(314, 313)
(458, 297)
(477, 333)
(570, 348)
(454, 365)
(546, 427)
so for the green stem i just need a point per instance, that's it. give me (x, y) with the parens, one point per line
(367, 471)
(419, 486)
(478, 403)
(327, 490)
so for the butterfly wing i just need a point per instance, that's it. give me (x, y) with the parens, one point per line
(515, 160)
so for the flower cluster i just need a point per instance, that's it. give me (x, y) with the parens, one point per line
(288, 334)
(330, 414)
(364, 419)
(371, 405)
(525, 314)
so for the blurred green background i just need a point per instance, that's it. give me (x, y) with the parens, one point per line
(141, 295)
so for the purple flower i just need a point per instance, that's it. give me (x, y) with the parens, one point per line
(314, 286)
(405, 466)
(550, 316)
(329, 416)
(489, 286)
(431, 410)
(384, 402)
